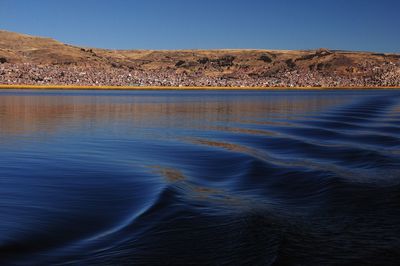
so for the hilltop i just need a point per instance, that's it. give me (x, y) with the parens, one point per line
(28, 59)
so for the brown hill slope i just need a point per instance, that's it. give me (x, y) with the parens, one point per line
(18, 48)
(214, 64)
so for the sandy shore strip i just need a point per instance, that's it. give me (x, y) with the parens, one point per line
(78, 87)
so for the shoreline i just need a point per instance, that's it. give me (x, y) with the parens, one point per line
(83, 87)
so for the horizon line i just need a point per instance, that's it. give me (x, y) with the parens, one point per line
(197, 49)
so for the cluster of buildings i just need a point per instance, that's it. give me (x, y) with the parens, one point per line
(385, 74)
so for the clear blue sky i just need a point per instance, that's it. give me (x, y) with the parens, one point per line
(372, 25)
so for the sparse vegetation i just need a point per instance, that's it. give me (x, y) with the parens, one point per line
(203, 60)
(290, 64)
(180, 63)
(225, 61)
(265, 58)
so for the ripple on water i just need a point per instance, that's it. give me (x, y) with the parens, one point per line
(170, 178)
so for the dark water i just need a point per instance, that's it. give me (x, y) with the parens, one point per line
(212, 178)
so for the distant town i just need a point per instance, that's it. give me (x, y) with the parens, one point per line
(28, 60)
(32, 74)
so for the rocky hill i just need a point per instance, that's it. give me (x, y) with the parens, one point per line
(27, 59)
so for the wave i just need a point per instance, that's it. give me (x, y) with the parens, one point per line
(318, 189)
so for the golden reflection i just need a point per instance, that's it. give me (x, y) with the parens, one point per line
(202, 193)
(351, 175)
(224, 145)
(170, 174)
(26, 114)
(244, 130)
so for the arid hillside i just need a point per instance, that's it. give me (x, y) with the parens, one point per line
(26, 59)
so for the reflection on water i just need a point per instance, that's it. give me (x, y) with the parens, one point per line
(27, 112)
(195, 177)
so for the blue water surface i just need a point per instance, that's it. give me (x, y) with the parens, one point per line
(200, 177)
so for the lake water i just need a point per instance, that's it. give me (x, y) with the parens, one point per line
(200, 177)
